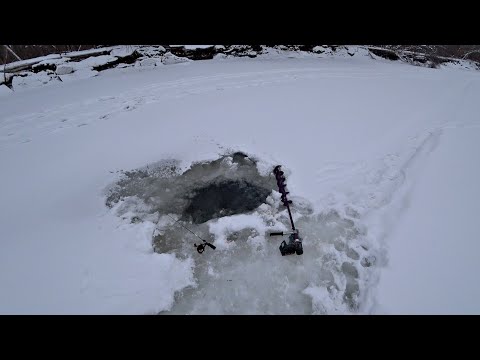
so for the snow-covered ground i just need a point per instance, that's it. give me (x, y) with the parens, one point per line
(382, 166)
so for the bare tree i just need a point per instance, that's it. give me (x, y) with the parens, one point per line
(471, 52)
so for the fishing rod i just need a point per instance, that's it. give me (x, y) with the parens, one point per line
(295, 242)
(200, 248)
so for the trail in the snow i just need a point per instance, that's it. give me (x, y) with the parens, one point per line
(25, 128)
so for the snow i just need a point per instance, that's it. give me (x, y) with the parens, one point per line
(5, 77)
(230, 224)
(149, 62)
(55, 61)
(170, 59)
(31, 80)
(321, 301)
(93, 61)
(81, 73)
(64, 69)
(83, 69)
(90, 51)
(4, 90)
(459, 64)
(28, 62)
(433, 250)
(152, 51)
(380, 159)
(193, 47)
(123, 51)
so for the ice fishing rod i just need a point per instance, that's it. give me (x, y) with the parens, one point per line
(295, 242)
(200, 248)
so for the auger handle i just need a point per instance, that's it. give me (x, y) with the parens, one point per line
(276, 233)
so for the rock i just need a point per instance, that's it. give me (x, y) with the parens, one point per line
(64, 69)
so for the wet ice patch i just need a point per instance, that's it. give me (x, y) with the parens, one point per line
(173, 200)
(230, 203)
(207, 190)
(247, 274)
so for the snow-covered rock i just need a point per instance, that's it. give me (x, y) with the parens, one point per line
(32, 80)
(148, 62)
(64, 69)
(170, 59)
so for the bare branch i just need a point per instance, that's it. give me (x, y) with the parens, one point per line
(471, 53)
(12, 52)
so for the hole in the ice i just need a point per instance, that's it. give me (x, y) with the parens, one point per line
(225, 198)
(227, 186)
